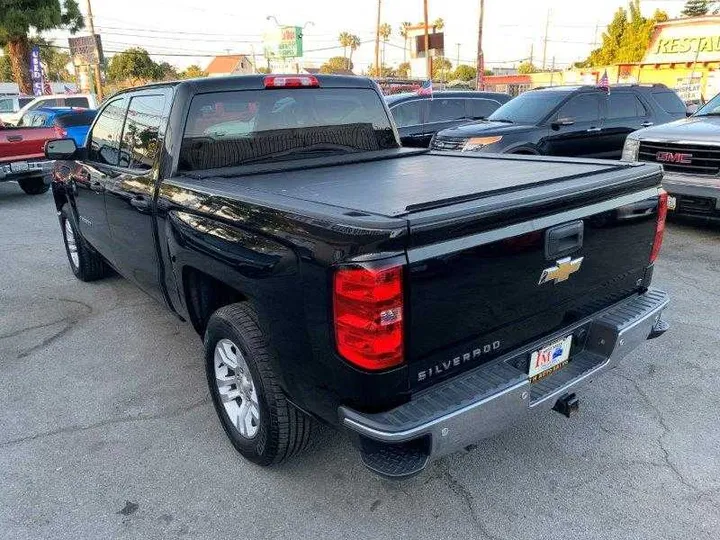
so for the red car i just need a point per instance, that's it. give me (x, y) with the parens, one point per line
(22, 157)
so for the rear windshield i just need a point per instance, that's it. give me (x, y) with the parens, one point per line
(226, 129)
(670, 102)
(74, 119)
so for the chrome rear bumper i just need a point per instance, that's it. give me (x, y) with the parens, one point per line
(479, 403)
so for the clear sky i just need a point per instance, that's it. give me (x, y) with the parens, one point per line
(191, 31)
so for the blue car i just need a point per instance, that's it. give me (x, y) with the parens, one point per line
(69, 122)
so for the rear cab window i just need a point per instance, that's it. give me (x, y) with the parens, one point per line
(669, 101)
(77, 102)
(232, 128)
(75, 119)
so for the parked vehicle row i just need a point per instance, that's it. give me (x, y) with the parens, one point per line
(335, 275)
(14, 115)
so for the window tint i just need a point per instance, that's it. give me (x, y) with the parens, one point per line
(76, 102)
(530, 107)
(408, 114)
(6, 105)
(226, 129)
(583, 108)
(74, 119)
(669, 102)
(105, 136)
(444, 110)
(33, 119)
(50, 102)
(480, 108)
(24, 101)
(140, 136)
(624, 105)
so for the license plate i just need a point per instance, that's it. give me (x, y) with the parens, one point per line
(672, 202)
(19, 166)
(549, 359)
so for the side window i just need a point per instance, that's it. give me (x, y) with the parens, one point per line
(105, 137)
(140, 136)
(584, 108)
(76, 102)
(6, 105)
(480, 108)
(669, 101)
(623, 105)
(408, 114)
(445, 110)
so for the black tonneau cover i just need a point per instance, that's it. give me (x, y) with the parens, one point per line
(405, 183)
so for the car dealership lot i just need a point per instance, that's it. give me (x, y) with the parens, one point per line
(107, 430)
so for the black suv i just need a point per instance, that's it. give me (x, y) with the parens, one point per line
(419, 117)
(583, 121)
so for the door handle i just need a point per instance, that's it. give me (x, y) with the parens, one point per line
(139, 202)
(564, 239)
(97, 187)
(647, 124)
(14, 138)
(593, 129)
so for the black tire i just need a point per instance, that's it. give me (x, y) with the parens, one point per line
(283, 429)
(33, 186)
(90, 265)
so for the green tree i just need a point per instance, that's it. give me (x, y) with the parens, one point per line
(385, 71)
(193, 72)
(5, 69)
(438, 24)
(465, 73)
(385, 30)
(166, 72)
(626, 38)
(353, 45)
(527, 67)
(441, 69)
(132, 64)
(696, 8)
(403, 70)
(336, 64)
(263, 70)
(19, 17)
(54, 60)
(345, 38)
(404, 33)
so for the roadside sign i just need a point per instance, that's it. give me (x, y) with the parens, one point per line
(283, 42)
(86, 50)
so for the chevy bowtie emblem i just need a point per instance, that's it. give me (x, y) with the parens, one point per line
(561, 271)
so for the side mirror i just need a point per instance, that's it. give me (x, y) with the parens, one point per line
(564, 121)
(60, 149)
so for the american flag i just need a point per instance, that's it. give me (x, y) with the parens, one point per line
(604, 82)
(425, 89)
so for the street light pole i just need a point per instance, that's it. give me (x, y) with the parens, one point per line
(480, 64)
(428, 62)
(378, 68)
(96, 67)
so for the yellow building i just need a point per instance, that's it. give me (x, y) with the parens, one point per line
(684, 54)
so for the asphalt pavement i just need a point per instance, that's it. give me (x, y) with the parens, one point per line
(107, 430)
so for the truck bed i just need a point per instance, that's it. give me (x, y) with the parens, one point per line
(408, 182)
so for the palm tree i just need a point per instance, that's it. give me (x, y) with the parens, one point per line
(404, 33)
(385, 31)
(438, 24)
(344, 38)
(353, 44)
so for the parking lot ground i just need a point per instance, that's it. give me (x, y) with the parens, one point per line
(107, 430)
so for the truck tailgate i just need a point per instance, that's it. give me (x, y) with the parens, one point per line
(476, 285)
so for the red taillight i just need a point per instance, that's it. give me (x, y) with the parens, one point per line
(60, 133)
(368, 316)
(291, 81)
(660, 228)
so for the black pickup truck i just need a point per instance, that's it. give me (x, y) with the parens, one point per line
(419, 300)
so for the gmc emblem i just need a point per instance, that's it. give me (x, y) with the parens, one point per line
(674, 157)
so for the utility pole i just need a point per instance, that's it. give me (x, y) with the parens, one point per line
(545, 39)
(252, 51)
(378, 67)
(480, 65)
(428, 61)
(457, 62)
(96, 67)
(532, 52)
